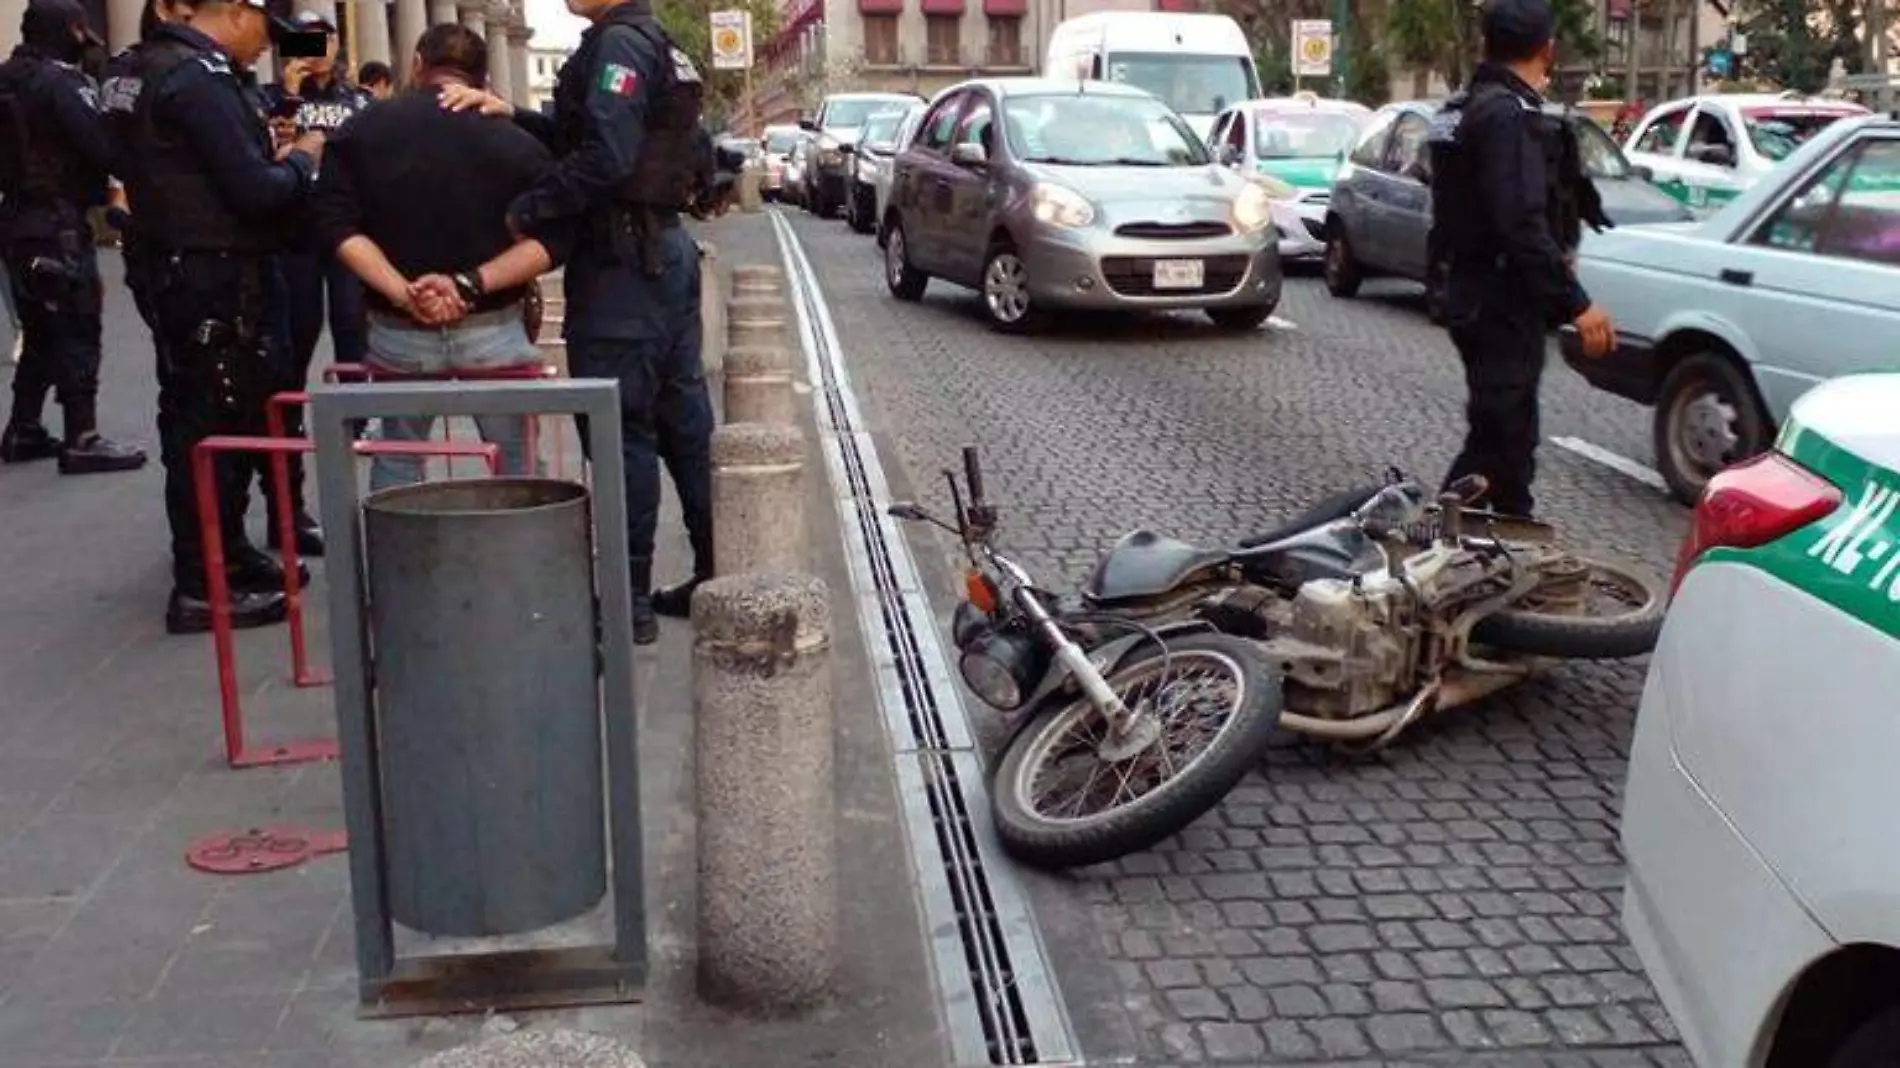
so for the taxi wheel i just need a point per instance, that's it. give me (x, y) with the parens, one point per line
(1874, 1044)
(1707, 417)
(1341, 268)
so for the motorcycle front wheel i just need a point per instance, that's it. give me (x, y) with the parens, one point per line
(1059, 802)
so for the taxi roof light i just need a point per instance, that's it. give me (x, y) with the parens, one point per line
(1753, 503)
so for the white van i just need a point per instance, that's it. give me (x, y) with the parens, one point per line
(1200, 65)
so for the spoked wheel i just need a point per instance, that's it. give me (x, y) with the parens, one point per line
(1068, 795)
(1589, 611)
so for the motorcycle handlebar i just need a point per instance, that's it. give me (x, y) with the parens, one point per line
(973, 474)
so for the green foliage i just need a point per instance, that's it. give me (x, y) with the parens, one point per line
(688, 23)
(1784, 48)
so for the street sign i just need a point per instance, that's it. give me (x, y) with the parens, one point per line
(1312, 48)
(1721, 63)
(731, 40)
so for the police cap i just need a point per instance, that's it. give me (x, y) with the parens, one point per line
(313, 22)
(1518, 26)
(279, 13)
(51, 21)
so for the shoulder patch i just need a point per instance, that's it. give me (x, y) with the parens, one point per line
(90, 96)
(683, 69)
(619, 80)
(120, 93)
(1443, 129)
(215, 62)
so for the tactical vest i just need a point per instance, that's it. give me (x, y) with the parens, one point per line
(36, 163)
(174, 200)
(1458, 231)
(1563, 169)
(666, 175)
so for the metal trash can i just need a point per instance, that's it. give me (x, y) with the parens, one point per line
(481, 610)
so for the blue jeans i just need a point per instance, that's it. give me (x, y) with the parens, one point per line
(483, 342)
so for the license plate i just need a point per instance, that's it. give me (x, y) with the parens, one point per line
(1179, 274)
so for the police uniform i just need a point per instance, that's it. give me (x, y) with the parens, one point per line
(211, 207)
(1497, 253)
(54, 160)
(626, 131)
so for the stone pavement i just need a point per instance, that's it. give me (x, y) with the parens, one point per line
(1452, 900)
(113, 952)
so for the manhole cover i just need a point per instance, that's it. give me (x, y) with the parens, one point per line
(261, 850)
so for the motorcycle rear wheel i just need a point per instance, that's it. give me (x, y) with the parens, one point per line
(1219, 674)
(1630, 628)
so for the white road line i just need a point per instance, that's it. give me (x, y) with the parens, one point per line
(1648, 476)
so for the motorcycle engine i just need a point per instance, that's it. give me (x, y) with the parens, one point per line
(1357, 646)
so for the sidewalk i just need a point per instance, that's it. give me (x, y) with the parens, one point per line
(113, 951)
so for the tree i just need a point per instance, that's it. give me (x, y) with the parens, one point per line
(1785, 48)
(688, 24)
(1432, 36)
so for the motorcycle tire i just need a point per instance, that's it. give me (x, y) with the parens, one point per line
(1238, 746)
(1625, 634)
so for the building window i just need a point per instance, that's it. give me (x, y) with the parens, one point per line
(880, 40)
(1006, 41)
(942, 39)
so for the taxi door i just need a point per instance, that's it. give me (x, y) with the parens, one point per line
(1711, 158)
(1657, 145)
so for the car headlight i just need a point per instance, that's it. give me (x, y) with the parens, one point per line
(1060, 205)
(1253, 208)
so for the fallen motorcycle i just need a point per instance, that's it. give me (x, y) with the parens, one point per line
(1152, 692)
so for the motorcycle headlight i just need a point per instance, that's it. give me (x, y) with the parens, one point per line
(1002, 669)
(1253, 208)
(1060, 206)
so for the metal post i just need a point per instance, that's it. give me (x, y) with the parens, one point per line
(1342, 58)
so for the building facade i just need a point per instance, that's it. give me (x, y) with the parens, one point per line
(544, 66)
(385, 30)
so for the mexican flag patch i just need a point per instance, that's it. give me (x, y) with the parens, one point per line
(619, 80)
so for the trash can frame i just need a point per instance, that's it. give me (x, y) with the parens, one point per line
(509, 979)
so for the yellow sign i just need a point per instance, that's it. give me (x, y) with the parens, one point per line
(1312, 48)
(731, 40)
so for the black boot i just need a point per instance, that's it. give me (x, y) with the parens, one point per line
(190, 613)
(646, 629)
(93, 455)
(252, 570)
(676, 602)
(25, 442)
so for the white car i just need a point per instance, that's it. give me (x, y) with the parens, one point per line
(1705, 150)
(1763, 886)
(1722, 323)
(1295, 145)
(777, 142)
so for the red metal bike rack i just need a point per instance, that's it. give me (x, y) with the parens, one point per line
(361, 372)
(218, 587)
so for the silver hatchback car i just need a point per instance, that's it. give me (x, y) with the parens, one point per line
(1090, 195)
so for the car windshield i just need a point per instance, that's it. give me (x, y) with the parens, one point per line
(1077, 130)
(1304, 134)
(850, 114)
(781, 142)
(1601, 157)
(881, 127)
(1777, 132)
(1191, 85)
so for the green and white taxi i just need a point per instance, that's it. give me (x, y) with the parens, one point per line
(1294, 146)
(1705, 150)
(1763, 886)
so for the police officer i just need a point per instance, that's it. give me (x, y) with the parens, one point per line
(211, 201)
(626, 133)
(310, 97)
(118, 100)
(1497, 243)
(54, 159)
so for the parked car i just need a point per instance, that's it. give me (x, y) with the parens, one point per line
(835, 130)
(777, 142)
(871, 159)
(1295, 145)
(1084, 194)
(797, 162)
(1381, 210)
(1722, 324)
(1732, 140)
(906, 133)
(1762, 888)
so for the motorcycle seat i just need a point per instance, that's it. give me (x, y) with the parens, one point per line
(1144, 564)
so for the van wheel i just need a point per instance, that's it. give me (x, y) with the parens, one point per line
(1874, 1044)
(1342, 267)
(1707, 417)
(905, 282)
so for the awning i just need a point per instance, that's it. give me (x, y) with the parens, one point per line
(880, 7)
(1005, 7)
(943, 7)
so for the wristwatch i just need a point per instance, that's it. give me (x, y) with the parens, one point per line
(468, 286)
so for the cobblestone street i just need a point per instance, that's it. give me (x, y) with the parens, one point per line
(1453, 900)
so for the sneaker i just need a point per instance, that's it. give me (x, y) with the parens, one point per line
(93, 455)
(26, 442)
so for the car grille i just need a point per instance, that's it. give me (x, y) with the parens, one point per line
(1134, 276)
(1173, 231)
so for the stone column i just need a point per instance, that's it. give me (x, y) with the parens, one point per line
(372, 37)
(441, 13)
(412, 17)
(497, 34)
(518, 77)
(122, 22)
(474, 18)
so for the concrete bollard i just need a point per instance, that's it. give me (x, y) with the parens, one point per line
(765, 793)
(712, 310)
(759, 386)
(758, 320)
(758, 498)
(757, 280)
(554, 353)
(751, 200)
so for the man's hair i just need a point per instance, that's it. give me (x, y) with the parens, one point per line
(1516, 30)
(374, 72)
(455, 48)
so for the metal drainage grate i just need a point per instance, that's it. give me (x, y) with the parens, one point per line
(999, 992)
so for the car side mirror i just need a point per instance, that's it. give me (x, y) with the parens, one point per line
(847, 149)
(969, 155)
(808, 124)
